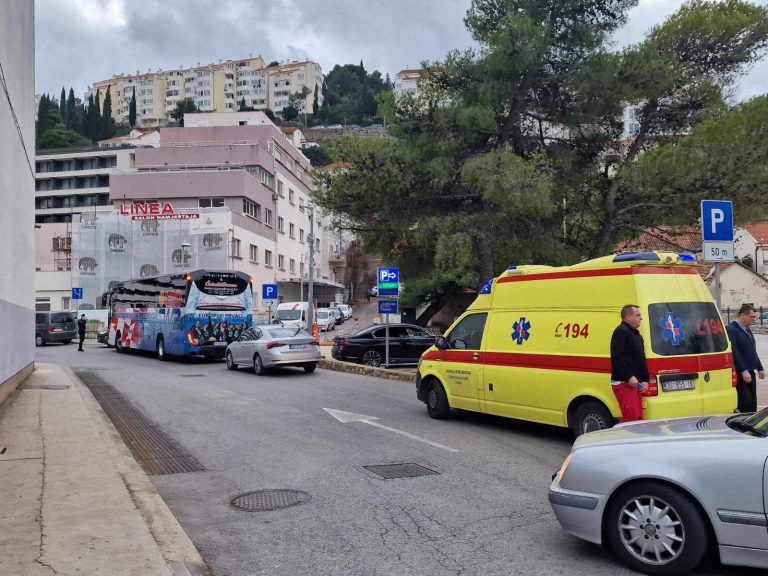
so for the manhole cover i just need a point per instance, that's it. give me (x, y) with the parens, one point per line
(45, 387)
(266, 500)
(407, 470)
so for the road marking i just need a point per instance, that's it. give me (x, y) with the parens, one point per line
(346, 417)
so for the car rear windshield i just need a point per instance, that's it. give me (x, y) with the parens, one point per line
(60, 317)
(285, 332)
(681, 328)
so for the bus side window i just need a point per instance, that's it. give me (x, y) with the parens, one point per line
(176, 316)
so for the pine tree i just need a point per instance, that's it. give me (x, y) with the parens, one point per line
(107, 122)
(91, 119)
(241, 108)
(63, 106)
(43, 116)
(72, 112)
(132, 109)
(315, 104)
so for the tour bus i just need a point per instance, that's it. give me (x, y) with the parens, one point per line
(194, 313)
(535, 344)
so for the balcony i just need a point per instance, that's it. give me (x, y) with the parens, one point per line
(337, 259)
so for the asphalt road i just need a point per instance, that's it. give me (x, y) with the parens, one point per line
(485, 512)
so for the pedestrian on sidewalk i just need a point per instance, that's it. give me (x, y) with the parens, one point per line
(745, 357)
(81, 331)
(629, 370)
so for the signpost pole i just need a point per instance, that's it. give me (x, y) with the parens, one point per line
(386, 340)
(717, 285)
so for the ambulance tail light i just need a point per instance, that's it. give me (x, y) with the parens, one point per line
(653, 388)
(734, 377)
(192, 340)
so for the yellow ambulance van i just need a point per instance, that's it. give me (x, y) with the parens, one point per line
(535, 344)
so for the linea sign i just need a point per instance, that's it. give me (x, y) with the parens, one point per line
(153, 211)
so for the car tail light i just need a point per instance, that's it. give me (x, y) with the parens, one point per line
(50, 329)
(734, 377)
(192, 340)
(275, 345)
(653, 388)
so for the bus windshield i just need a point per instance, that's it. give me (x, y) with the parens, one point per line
(220, 291)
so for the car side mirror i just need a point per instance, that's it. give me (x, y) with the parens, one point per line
(440, 343)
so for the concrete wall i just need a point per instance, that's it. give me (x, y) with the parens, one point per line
(17, 192)
(739, 286)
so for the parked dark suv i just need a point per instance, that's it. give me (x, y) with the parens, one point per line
(55, 327)
(406, 344)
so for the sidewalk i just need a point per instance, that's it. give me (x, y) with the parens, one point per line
(74, 501)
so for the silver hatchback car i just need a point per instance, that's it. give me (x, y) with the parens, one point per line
(661, 492)
(268, 346)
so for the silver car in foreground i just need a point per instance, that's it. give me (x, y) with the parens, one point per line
(663, 492)
(268, 346)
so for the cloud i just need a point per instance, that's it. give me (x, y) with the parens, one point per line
(83, 41)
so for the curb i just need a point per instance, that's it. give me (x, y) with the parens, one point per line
(181, 556)
(350, 368)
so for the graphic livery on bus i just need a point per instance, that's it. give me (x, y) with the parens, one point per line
(197, 312)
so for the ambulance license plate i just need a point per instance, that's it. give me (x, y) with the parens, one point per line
(678, 385)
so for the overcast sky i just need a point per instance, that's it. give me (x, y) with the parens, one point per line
(82, 41)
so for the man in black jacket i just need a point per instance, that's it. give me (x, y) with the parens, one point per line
(81, 331)
(629, 371)
(745, 357)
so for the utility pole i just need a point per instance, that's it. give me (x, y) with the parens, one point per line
(310, 287)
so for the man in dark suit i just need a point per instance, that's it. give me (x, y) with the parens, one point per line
(745, 357)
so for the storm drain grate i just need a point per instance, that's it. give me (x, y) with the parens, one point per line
(155, 452)
(407, 470)
(45, 387)
(267, 500)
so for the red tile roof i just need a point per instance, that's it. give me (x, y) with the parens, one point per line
(758, 231)
(664, 238)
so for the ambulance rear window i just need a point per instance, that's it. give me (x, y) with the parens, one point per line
(681, 328)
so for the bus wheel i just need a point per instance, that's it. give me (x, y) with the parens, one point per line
(230, 361)
(160, 348)
(258, 367)
(589, 417)
(119, 343)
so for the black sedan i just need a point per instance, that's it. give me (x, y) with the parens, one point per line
(406, 344)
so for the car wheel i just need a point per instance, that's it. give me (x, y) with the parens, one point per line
(258, 366)
(437, 401)
(39, 340)
(371, 358)
(230, 361)
(656, 529)
(160, 348)
(589, 417)
(119, 343)
(309, 368)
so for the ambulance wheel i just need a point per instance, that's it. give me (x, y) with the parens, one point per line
(437, 401)
(589, 417)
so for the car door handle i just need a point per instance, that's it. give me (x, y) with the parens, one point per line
(475, 356)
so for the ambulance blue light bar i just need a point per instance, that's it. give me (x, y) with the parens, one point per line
(636, 256)
(687, 257)
(487, 288)
(511, 267)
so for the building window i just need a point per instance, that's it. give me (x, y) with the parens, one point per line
(280, 189)
(290, 196)
(317, 244)
(292, 266)
(291, 230)
(280, 224)
(42, 304)
(281, 262)
(267, 258)
(268, 217)
(252, 209)
(235, 248)
(301, 235)
(301, 268)
(254, 254)
(210, 202)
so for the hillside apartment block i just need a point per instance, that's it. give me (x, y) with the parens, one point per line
(247, 165)
(218, 87)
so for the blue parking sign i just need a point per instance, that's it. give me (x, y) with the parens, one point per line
(388, 281)
(77, 293)
(717, 220)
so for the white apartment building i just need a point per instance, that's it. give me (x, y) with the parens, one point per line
(17, 141)
(407, 82)
(219, 87)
